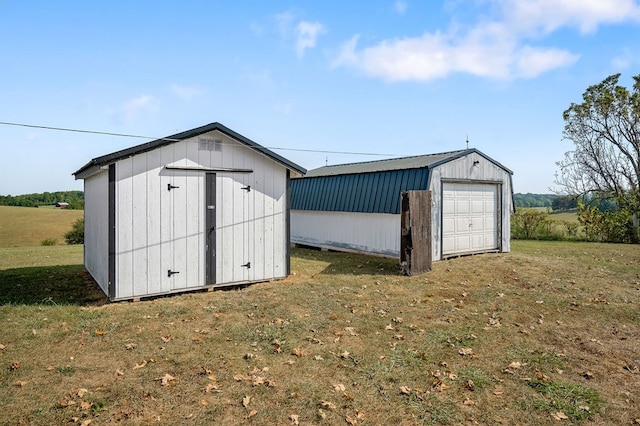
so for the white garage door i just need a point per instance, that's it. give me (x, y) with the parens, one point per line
(469, 218)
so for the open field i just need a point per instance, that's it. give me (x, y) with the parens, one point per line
(546, 334)
(28, 226)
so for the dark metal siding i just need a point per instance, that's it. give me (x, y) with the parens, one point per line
(364, 192)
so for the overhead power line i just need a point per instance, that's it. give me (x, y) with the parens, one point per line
(125, 135)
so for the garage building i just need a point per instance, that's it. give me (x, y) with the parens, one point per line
(357, 207)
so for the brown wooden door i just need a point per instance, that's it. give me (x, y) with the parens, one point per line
(415, 224)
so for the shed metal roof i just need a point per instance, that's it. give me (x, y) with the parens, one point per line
(414, 162)
(104, 160)
(369, 187)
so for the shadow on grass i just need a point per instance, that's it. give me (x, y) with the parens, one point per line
(344, 263)
(49, 285)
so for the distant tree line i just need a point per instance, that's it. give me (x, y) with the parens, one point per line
(75, 199)
(552, 201)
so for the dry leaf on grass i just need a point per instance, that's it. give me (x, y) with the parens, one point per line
(344, 354)
(465, 351)
(339, 388)
(251, 414)
(130, 346)
(328, 405)
(559, 416)
(142, 364)
(297, 352)
(294, 419)
(14, 366)
(167, 338)
(20, 383)
(405, 390)
(211, 387)
(515, 364)
(81, 392)
(101, 332)
(2, 347)
(166, 380)
(246, 401)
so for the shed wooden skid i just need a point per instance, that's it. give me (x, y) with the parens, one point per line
(356, 207)
(200, 209)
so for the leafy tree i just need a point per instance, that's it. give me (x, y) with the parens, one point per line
(605, 129)
(76, 235)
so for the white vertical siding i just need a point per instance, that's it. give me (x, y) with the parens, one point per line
(376, 233)
(96, 228)
(464, 170)
(160, 230)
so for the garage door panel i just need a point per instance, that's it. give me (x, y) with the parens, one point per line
(472, 225)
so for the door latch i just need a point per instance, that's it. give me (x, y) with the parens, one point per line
(170, 187)
(247, 188)
(170, 273)
(247, 265)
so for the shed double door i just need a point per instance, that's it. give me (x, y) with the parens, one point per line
(469, 217)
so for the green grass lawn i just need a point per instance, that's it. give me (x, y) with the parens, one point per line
(29, 226)
(547, 334)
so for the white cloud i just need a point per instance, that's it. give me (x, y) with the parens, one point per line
(400, 6)
(547, 16)
(503, 44)
(132, 108)
(306, 35)
(185, 92)
(434, 56)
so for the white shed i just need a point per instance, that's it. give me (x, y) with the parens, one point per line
(357, 207)
(200, 209)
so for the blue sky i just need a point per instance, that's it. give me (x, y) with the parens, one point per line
(387, 77)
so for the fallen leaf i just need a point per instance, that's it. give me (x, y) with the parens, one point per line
(246, 401)
(465, 351)
(101, 332)
(2, 347)
(166, 379)
(328, 405)
(119, 373)
(142, 364)
(351, 421)
(86, 422)
(468, 402)
(81, 392)
(85, 405)
(20, 384)
(405, 390)
(211, 387)
(257, 381)
(297, 352)
(559, 416)
(252, 414)
(389, 327)
(167, 338)
(351, 331)
(399, 337)
(294, 419)
(130, 346)
(344, 354)
(339, 388)
(318, 358)
(515, 364)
